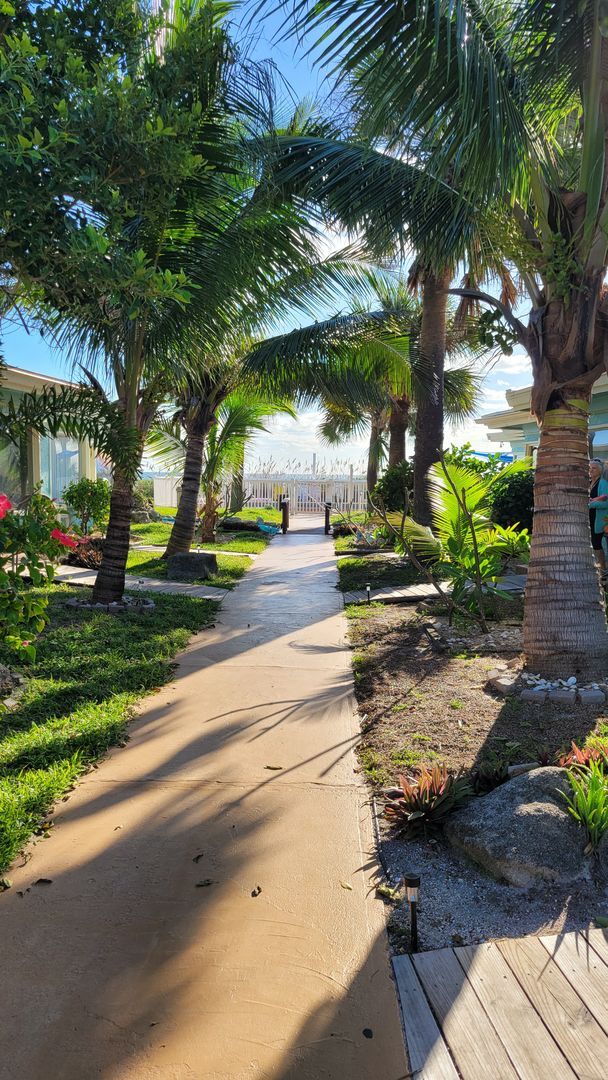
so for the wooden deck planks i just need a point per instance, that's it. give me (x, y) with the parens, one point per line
(531, 1048)
(577, 1033)
(475, 1046)
(516, 1009)
(584, 969)
(428, 1054)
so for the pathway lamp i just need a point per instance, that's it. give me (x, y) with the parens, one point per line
(412, 889)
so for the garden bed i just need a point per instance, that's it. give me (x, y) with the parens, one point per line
(355, 572)
(423, 701)
(90, 670)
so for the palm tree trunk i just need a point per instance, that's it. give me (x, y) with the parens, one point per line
(237, 487)
(110, 583)
(209, 516)
(182, 532)
(397, 430)
(372, 454)
(565, 631)
(429, 416)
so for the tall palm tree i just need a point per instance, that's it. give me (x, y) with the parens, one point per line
(512, 100)
(407, 381)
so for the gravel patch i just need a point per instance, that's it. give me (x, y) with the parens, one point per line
(460, 905)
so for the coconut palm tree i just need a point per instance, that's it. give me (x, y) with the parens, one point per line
(238, 416)
(511, 101)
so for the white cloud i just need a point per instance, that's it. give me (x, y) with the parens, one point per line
(492, 400)
(517, 364)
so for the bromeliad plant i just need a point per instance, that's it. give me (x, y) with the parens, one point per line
(30, 542)
(427, 800)
(588, 803)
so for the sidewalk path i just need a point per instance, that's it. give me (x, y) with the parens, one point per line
(211, 912)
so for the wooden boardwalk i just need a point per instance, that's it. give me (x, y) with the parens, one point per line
(534, 1008)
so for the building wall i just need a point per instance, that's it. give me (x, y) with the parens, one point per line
(51, 461)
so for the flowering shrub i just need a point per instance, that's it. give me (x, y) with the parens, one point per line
(30, 542)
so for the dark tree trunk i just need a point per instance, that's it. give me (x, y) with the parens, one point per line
(429, 415)
(237, 489)
(110, 583)
(372, 455)
(182, 533)
(397, 430)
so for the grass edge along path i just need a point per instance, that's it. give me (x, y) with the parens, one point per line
(230, 568)
(91, 670)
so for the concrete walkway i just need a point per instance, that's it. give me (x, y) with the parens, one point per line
(211, 912)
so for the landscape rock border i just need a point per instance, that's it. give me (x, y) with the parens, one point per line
(139, 604)
(534, 689)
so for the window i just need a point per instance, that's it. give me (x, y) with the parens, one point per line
(59, 464)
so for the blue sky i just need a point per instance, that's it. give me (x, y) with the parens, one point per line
(287, 440)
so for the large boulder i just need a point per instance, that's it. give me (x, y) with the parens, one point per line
(191, 566)
(521, 832)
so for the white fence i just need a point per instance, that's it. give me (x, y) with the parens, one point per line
(305, 496)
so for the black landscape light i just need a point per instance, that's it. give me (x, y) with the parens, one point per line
(412, 887)
(368, 590)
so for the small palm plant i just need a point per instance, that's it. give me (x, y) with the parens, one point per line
(463, 545)
(240, 416)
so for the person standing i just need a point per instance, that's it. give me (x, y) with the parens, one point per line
(598, 509)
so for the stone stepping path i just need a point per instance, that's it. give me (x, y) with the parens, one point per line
(74, 575)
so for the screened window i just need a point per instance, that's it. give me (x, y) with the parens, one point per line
(59, 464)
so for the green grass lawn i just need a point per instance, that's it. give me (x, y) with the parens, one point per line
(158, 532)
(356, 572)
(252, 513)
(90, 669)
(230, 568)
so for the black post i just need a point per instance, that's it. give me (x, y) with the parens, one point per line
(284, 508)
(327, 516)
(412, 885)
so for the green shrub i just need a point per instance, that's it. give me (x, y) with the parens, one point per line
(390, 491)
(464, 457)
(143, 495)
(89, 501)
(588, 803)
(427, 800)
(512, 500)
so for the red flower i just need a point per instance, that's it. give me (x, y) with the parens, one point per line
(62, 538)
(5, 506)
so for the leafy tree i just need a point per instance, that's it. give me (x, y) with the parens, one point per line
(464, 456)
(89, 500)
(236, 417)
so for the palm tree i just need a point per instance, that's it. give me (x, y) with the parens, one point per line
(406, 381)
(196, 238)
(511, 101)
(237, 417)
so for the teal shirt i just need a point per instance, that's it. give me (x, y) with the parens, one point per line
(601, 508)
